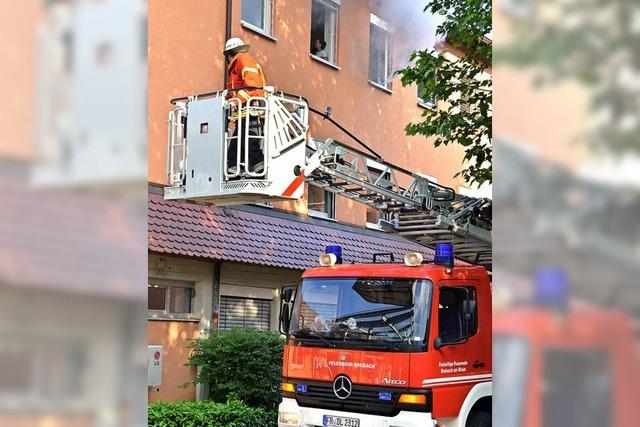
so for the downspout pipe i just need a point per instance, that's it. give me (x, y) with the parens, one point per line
(227, 35)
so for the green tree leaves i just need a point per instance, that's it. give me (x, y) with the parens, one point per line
(460, 88)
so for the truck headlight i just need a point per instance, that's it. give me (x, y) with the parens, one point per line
(292, 418)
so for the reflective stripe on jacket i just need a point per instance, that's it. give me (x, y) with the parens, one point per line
(245, 71)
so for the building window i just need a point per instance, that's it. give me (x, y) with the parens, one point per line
(324, 29)
(373, 218)
(457, 313)
(256, 14)
(380, 174)
(34, 371)
(424, 99)
(248, 313)
(380, 52)
(484, 191)
(320, 202)
(173, 300)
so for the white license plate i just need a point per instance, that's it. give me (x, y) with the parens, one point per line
(331, 421)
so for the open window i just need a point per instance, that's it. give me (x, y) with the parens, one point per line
(380, 53)
(457, 314)
(324, 29)
(381, 175)
(320, 202)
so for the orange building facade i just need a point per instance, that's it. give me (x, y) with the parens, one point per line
(185, 57)
(365, 42)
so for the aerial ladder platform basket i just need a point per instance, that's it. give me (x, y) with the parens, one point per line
(198, 148)
(410, 203)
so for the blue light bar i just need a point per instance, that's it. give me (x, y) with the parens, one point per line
(444, 254)
(301, 388)
(551, 288)
(336, 250)
(384, 396)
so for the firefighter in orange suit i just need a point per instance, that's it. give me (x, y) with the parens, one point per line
(244, 71)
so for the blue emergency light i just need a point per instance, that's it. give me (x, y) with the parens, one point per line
(444, 254)
(384, 396)
(336, 250)
(551, 288)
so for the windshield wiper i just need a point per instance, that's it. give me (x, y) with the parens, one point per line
(390, 324)
(320, 337)
(369, 334)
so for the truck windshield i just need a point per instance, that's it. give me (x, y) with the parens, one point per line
(389, 314)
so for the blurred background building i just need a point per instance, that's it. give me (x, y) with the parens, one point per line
(564, 204)
(72, 223)
(215, 267)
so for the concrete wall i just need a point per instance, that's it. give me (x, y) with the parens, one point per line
(185, 44)
(236, 279)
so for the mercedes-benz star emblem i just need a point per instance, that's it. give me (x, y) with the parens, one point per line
(342, 387)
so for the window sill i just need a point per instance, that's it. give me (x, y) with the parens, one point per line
(324, 61)
(373, 226)
(166, 317)
(379, 86)
(426, 105)
(320, 215)
(257, 30)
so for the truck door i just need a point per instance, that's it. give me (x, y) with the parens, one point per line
(461, 345)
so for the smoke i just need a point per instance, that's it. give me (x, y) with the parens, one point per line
(413, 28)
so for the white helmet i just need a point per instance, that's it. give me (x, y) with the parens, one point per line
(235, 45)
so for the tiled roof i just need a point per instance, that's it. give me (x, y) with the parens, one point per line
(64, 241)
(260, 235)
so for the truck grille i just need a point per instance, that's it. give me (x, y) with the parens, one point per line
(363, 399)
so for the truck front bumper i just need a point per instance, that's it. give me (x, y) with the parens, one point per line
(292, 415)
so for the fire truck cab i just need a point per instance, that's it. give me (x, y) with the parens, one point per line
(393, 344)
(575, 367)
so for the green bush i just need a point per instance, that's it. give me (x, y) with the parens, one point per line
(240, 363)
(209, 414)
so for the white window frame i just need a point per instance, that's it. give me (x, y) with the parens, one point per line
(166, 313)
(332, 48)
(429, 177)
(35, 396)
(330, 203)
(484, 191)
(375, 167)
(426, 103)
(384, 26)
(267, 20)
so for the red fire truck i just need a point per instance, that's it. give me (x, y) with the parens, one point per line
(367, 345)
(405, 344)
(564, 363)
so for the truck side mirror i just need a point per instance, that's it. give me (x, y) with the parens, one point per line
(285, 319)
(287, 293)
(286, 305)
(437, 343)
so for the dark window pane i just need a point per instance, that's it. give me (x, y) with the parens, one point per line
(317, 200)
(156, 297)
(253, 12)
